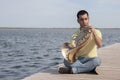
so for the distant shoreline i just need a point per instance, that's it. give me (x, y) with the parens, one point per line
(50, 28)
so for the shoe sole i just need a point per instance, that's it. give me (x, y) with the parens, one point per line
(97, 70)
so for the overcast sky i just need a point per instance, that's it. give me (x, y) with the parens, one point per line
(58, 13)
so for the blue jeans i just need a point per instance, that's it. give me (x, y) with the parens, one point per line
(83, 64)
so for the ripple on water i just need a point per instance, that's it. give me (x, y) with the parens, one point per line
(35, 52)
(10, 72)
(2, 76)
(44, 68)
(53, 64)
(31, 65)
(7, 51)
(39, 57)
(57, 58)
(34, 49)
(16, 67)
(45, 55)
(5, 44)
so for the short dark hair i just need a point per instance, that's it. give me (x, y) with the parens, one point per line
(82, 12)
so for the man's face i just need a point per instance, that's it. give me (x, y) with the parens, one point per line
(83, 20)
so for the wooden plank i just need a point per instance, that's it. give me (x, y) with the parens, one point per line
(109, 69)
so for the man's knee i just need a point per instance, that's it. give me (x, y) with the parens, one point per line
(97, 61)
(66, 63)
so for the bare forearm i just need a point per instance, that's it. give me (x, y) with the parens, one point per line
(98, 41)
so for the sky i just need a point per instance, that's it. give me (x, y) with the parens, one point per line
(58, 13)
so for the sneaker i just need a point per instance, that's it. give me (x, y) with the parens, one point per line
(64, 70)
(96, 71)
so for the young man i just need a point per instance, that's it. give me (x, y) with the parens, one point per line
(85, 58)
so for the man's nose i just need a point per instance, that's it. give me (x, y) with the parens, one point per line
(84, 21)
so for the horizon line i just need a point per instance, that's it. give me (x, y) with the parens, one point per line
(47, 28)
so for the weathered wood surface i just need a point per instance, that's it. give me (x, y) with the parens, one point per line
(109, 69)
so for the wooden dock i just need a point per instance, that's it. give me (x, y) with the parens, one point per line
(109, 69)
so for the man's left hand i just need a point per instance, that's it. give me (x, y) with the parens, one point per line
(92, 28)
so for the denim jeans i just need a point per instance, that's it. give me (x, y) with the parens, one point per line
(83, 64)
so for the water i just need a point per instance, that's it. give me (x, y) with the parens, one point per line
(27, 51)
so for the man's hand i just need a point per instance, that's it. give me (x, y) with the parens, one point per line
(66, 44)
(92, 28)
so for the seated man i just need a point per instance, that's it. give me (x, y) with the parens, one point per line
(82, 50)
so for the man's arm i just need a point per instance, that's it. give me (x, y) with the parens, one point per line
(98, 41)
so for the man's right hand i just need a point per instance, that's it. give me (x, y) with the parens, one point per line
(66, 44)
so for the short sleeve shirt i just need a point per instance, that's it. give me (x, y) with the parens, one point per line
(90, 49)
